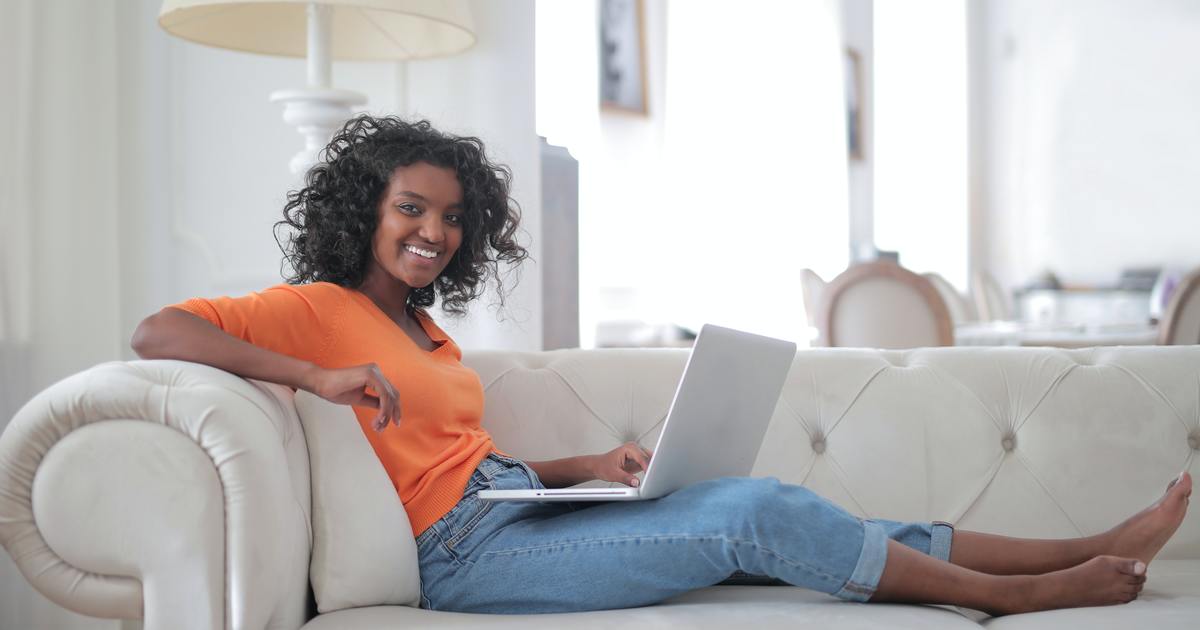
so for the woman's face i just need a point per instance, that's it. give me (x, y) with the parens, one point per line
(420, 223)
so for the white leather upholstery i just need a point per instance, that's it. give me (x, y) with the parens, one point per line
(166, 529)
(1171, 600)
(715, 607)
(1018, 441)
(1021, 441)
(363, 560)
(251, 437)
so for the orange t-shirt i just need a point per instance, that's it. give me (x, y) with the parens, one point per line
(431, 455)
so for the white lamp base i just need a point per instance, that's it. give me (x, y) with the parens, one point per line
(316, 113)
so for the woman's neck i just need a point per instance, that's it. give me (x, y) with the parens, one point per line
(388, 293)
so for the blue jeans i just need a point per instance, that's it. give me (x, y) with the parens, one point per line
(516, 557)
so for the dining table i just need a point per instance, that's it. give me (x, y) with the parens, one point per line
(1059, 335)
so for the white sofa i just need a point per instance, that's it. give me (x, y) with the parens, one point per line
(182, 494)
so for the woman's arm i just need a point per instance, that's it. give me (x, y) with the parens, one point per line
(176, 334)
(619, 464)
(565, 472)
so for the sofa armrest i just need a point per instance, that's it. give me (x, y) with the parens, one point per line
(162, 490)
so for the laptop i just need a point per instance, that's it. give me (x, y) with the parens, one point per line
(715, 424)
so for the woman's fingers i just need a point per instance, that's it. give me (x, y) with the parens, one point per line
(635, 452)
(642, 460)
(388, 400)
(396, 405)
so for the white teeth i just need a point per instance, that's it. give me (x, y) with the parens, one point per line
(421, 252)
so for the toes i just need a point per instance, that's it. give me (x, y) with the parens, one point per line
(1131, 566)
(1184, 479)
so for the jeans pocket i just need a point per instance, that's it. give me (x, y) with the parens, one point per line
(463, 520)
(517, 476)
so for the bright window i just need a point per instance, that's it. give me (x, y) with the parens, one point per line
(921, 204)
(707, 209)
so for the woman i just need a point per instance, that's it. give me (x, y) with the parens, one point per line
(399, 213)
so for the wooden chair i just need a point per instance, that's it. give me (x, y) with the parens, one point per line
(883, 305)
(961, 311)
(1180, 324)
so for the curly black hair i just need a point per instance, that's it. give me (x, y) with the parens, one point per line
(335, 214)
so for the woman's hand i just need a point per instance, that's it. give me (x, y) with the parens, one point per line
(348, 386)
(621, 463)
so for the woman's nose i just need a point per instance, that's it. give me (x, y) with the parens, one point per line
(431, 228)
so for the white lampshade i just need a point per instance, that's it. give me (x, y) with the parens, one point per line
(323, 30)
(361, 29)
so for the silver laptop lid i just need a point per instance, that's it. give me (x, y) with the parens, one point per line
(721, 409)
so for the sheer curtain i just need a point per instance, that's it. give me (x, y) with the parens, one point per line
(58, 222)
(755, 131)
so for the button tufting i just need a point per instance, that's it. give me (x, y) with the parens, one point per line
(1194, 440)
(818, 446)
(1009, 442)
(896, 359)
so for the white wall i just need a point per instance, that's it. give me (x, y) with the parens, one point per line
(1089, 137)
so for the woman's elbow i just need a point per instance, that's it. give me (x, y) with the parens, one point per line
(144, 337)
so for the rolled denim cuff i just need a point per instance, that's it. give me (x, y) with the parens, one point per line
(865, 578)
(941, 535)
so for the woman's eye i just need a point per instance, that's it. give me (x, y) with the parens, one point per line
(454, 219)
(408, 208)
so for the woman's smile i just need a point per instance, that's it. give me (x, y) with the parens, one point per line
(422, 257)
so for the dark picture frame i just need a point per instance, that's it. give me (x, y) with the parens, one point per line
(854, 104)
(622, 56)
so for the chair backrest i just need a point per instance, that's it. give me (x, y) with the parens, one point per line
(883, 305)
(990, 301)
(960, 308)
(1180, 325)
(812, 286)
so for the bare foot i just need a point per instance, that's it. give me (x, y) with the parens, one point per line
(1142, 535)
(1101, 581)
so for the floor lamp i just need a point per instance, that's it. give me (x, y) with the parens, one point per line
(323, 30)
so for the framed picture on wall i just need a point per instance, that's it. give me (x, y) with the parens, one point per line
(622, 56)
(854, 98)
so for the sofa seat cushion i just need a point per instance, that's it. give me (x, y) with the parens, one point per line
(1171, 601)
(721, 607)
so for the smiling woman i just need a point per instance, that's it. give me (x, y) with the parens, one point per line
(396, 215)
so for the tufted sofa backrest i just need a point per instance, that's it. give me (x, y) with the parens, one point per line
(1033, 442)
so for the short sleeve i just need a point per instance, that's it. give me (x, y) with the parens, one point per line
(297, 320)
